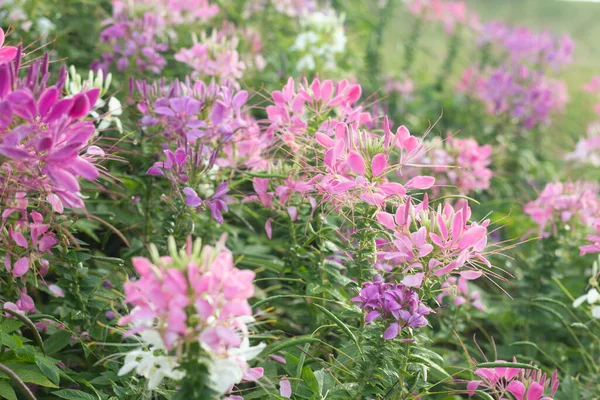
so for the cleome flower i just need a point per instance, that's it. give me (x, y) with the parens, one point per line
(195, 295)
(433, 243)
(395, 304)
(522, 384)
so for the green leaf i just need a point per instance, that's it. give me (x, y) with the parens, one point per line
(427, 353)
(71, 394)
(29, 323)
(309, 378)
(9, 325)
(325, 380)
(484, 395)
(49, 369)
(432, 364)
(57, 341)
(292, 342)
(282, 296)
(506, 365)
(341, 324)
(35, 378)
(6, 391)
(8, 341)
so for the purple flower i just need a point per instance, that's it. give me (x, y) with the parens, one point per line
(395, 304)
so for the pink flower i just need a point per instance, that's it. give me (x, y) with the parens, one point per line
(565, 203)
(523, 384)
(161, 295)
(7, 53)
(285, 388)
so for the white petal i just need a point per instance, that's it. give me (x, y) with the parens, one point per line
(224, 373)
(593, 296)
(579, 301)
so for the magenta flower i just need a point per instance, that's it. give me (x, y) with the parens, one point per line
(522, 384)
(217, 203)
(288, 116)
(134, 39)
(7, 53)
(446, 244)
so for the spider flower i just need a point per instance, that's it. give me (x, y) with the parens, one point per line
(395, 304)
(522, 384)
(195, 295)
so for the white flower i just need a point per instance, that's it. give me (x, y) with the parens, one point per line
(226, 372)
(321, 38)
(306, 63)
(592, 296)
(114, 110)
(75, 84)
(152, 364)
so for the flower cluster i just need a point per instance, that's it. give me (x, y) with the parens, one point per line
(433, 243)
(516, 91)
(395, 304)
(327, 103)
(16, 15)
(320, 40)
(460, 163)
(195, 295)
(214, 56)
(527, 47)
(26, 239)
(449, 13)
(185, 112)
(565, 202)
(133, 40)
(520, 85)
(291, 8)
(529, 384)
(43, 136)
(198, 120)
(587, 150)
